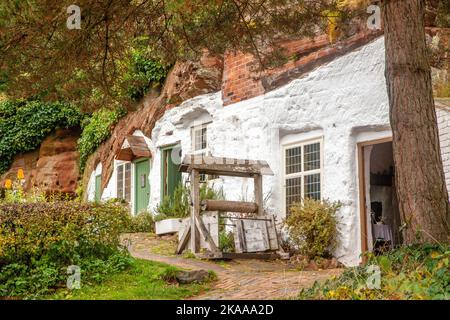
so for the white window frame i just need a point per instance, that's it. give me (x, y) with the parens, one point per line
(194, 129)
(123, 196)
(301, 174)
(201, 151)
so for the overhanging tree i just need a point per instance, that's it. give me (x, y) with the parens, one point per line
(35, 43)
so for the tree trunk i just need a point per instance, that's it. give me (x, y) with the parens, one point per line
(420, 183)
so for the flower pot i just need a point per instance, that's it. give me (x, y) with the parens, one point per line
(167, 226)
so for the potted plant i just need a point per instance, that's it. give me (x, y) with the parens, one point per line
(171, 211)
(174, 210)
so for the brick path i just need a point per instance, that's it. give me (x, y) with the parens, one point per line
(239, 279)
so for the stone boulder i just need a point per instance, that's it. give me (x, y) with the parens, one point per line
(194, 276)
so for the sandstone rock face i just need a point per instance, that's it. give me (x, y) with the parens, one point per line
(186, 80)
(53, 167)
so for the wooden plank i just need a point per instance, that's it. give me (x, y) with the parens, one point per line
(274, 240)
(258, 193)
(201, 226)
(249, 255)
(225, 166)
(195, 210)
(229, 206)
(255, 235)
(239, 237)
(184, 239)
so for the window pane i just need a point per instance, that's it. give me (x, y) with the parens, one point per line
(203, 138)
(120, 182)
(312, 186)
(312, 156)
(128, 182)
(293, 160)
(293, 192)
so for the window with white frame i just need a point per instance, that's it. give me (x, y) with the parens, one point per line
(302, 172)
(199, 135)
(199, 138)
(124, 181)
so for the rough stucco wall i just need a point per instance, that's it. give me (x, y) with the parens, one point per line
(443, 116)
(336, 101)
(344, 102)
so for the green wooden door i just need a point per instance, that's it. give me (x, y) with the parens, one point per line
(141, 185)
(98, 187)
(170, 175)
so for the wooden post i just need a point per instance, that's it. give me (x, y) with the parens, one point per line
(258, 193)
(195, 211)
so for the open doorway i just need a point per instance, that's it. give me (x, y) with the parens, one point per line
(380, 218)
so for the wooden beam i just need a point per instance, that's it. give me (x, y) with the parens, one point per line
(258, 193)
(195, 210)
(184, 239)
(229, 206)
(201, 226)
(362, 200)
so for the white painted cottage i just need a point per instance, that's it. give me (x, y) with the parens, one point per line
(325, 135)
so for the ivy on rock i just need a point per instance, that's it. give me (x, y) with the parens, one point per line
(25, 123)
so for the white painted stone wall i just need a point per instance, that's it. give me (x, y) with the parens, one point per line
(343, 102)
(443, 116)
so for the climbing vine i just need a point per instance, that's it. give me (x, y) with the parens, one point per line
(142, 74)
(96, 129)
(25, 123)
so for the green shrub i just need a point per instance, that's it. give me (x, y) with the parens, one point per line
(96, 130)
(142, 74)
(178, 205)
(312, 226)
(38, 241)
(226, 241)
(410, 272)
(25, 123)
(142, 222)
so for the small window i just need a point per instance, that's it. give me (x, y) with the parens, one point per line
(302, 172)
(124, 182)
(199, 135)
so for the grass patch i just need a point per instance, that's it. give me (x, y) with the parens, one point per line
(407, 273)
(144, 280)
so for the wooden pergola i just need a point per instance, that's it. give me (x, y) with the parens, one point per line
(203, 164)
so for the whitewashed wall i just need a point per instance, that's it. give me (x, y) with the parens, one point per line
(343, 102)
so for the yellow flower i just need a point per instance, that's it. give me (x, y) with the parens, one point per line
(20, 174)
(8, 184)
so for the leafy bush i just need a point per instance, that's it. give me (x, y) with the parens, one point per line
(142, 73)
(175, 206)
(96, 130)
(411, 272)
(178, 205)
(226, 241)
(25, 123)
(142, 222)
(38, 241)
(312, 226)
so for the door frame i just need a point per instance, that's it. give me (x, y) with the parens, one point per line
(163, 149)
(98, 197)
(362, 190)
(136, 182)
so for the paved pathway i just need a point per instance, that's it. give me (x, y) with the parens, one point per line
(238, 279)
